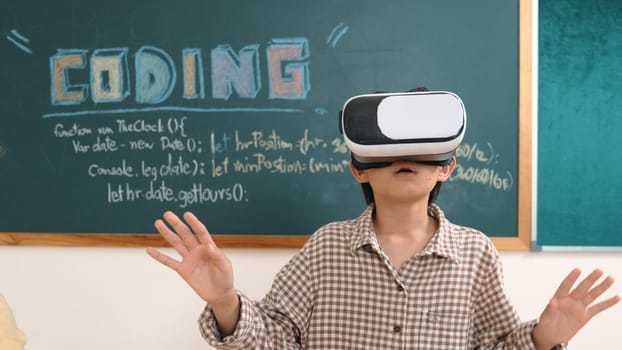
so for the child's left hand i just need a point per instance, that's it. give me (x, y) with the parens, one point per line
(570, 310)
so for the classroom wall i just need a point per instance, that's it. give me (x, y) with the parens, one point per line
(118, 298)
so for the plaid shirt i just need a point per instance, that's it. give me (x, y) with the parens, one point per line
(341, 292)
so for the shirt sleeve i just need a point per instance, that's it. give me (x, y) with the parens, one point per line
(279, 321)
(520, 338)
(496, 322)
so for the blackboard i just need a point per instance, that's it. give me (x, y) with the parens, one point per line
(580, 121)
(115, 111)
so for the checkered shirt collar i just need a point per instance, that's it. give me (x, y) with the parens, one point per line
(444, 243)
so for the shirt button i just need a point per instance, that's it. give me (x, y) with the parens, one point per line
(397, 329)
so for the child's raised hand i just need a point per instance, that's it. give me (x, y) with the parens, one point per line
(571, 309)
(203, 265)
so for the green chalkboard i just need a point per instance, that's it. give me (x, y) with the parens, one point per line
(115, 111)
(580, 121)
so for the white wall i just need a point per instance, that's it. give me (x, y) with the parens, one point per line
(118, 298)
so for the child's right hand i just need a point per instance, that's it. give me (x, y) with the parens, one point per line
(203, 265)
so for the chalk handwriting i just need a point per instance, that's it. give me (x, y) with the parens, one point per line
(196, 193)
(485, 154)
(154, 151)
(476, 166)
(483, 176)
(146, 155)
(166, 160)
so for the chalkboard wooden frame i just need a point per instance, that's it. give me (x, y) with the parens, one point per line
(520, 242)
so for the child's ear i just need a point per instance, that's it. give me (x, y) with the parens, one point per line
(359, 175)
(447, 170)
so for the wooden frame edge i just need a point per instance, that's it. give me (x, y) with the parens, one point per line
(141, 240)
(523, 240)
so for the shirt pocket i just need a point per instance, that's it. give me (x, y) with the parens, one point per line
(444, 329)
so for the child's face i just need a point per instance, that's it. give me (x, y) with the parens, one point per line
(403, 180)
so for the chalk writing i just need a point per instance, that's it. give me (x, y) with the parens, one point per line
(161, 149)
(155, 75)
(61, 130)
(483, 176)
(257, 141)
(162, 192)
(478, 167)
(473, 151)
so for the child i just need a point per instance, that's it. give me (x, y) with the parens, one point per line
(400, 276)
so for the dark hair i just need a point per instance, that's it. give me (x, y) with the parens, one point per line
(368, 192)
(419, 89)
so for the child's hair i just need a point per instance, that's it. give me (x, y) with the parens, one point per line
(368, 192)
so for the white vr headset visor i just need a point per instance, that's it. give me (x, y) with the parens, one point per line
(424, 126)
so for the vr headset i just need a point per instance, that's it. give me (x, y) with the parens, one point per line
(425, 127)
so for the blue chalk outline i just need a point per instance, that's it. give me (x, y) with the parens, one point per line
(22, 38)
(336, 34)
(300, 63)
(227, 50)
(124, 79)
(146, 52)
(67, 87)
(198, 60)
(173, 108)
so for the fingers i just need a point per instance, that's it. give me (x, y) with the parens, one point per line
(182, 230)
(587, 292)
(171, 237)
(199, 229)
(603, 305)
(567, 283)
(163, 259)
(597, 291)
(183, 238)
(582, 290)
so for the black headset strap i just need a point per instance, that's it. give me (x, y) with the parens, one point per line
(363, 166)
